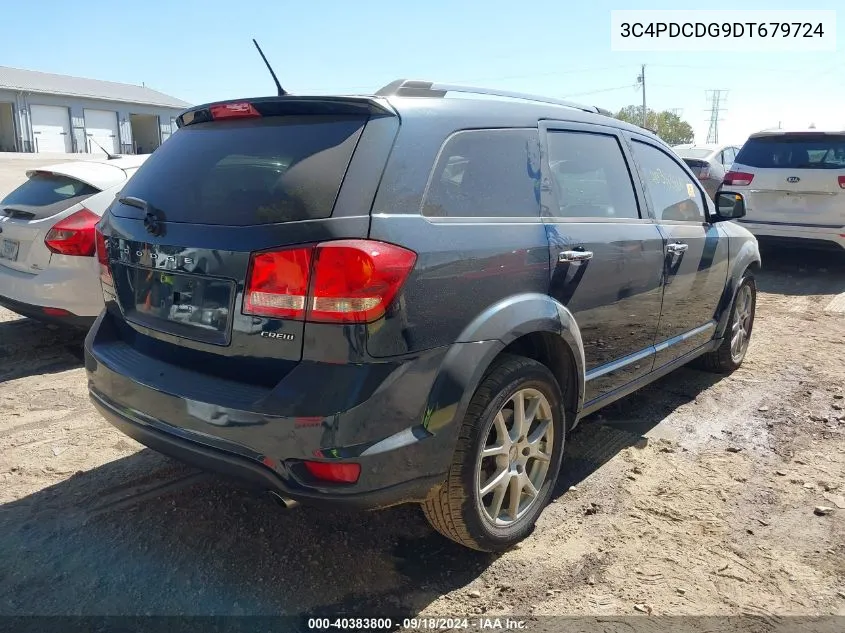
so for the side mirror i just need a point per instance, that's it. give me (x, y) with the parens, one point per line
(729, 206)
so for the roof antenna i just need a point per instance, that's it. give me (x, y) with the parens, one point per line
(110, 156)
(282, 92)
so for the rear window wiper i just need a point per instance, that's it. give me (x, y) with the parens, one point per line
(134, 202)
(143, 205)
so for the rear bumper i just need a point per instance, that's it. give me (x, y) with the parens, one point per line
(191, 416)
(254, 473)
(37, 313)
(802, 235)
(72, 285)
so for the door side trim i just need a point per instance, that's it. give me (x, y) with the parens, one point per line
(659, 347)
(649, 352)
(639, 383)
(620, 363)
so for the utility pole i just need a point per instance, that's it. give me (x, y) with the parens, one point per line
(641, 81)
(716, 99)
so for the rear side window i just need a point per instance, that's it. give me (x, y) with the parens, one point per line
(45, 194)
(591, 176)
(257, 171)
(486, 174)
(799, 151)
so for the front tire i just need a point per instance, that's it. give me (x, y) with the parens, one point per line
(729, 355)
(506, 460)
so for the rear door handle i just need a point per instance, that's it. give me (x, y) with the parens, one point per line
(575, 256)
(677, 247)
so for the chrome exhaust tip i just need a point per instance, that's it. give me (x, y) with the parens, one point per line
(286, 502)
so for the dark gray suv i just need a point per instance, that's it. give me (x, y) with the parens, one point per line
(405, 297)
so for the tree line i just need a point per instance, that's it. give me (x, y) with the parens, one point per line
(667, 125)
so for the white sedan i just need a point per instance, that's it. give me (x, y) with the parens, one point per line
(48, 268)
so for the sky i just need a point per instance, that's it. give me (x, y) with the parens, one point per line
(201, 51)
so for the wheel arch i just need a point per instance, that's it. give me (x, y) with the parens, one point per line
(747, 258)
(532, 325)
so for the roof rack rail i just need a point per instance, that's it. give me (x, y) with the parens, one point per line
(415, 88)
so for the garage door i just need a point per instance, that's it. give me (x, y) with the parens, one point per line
(50, 128)
(101, 128)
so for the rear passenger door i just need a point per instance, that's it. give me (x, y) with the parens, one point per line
(476, 230)
(696, 252)
(606, 253)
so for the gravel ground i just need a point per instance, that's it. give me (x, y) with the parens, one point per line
(695, 496)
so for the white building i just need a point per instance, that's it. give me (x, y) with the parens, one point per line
(42, 112)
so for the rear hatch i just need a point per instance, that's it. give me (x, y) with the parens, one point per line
(30, 211)
(182, 241)
(792, 178)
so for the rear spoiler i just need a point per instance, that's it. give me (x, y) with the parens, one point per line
(288, 105)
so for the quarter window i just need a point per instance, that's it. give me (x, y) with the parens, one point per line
(486, 174)
(590, 176)
(673, 194)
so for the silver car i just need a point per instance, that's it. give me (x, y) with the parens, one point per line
(708, 162)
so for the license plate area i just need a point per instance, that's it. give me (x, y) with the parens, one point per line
(195, 307)
(9, 249)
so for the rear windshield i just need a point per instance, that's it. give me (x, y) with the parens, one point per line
(693, 153)
(805, 151)
(257, 171)
(45, 194)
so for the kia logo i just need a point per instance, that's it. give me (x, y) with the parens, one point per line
(793, 179)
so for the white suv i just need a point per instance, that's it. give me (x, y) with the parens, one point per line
(794, 186)
(47, 266)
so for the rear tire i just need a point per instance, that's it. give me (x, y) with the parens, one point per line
(729, 356)
(505, 464)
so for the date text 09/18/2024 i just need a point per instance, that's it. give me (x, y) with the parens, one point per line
(417, 624)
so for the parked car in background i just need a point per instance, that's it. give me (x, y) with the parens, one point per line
(709, 163)
(794, 186)
(364, 301)
(47, 265)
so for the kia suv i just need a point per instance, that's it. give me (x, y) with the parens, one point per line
(363, 301)
(794, 187)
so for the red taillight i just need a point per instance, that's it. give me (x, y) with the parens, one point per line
(233, 111)
(74, 235)
(738, 178)
(278, 283)
(345, 281)
(355, 280)
(103, 257)
(56, 312)
(842, 182)
(336, 472)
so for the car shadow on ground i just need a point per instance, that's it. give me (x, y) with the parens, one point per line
(623, 424)
(29, 348)
(145, 535)
(800, 272)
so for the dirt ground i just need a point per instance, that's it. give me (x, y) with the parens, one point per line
(695, 496)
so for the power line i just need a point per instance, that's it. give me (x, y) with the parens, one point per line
(594, 92)
(716, 99)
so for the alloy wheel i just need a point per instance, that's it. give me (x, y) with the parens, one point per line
(515, 458)
(741, 326)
